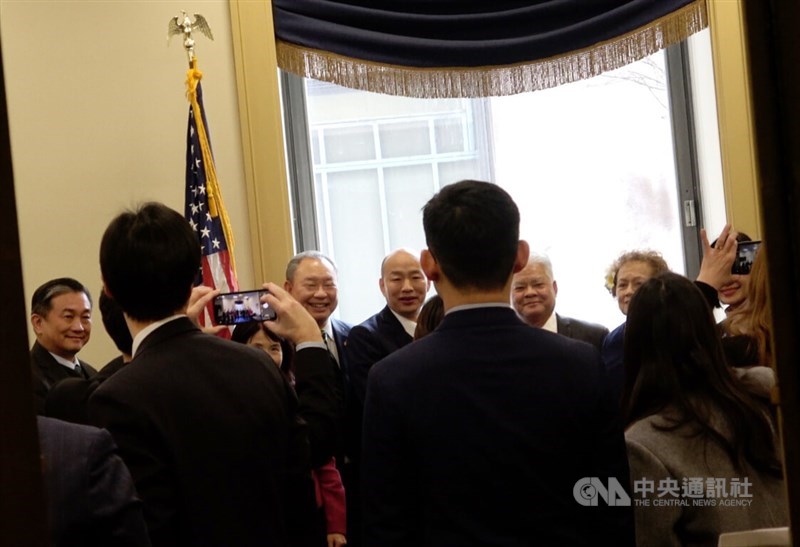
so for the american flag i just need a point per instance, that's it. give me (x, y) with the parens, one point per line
(204, 208)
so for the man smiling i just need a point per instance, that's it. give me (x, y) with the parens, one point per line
(312, 280)
(533, 295)
(61, 315)
(404, 285)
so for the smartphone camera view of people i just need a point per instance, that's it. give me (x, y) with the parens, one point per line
(241, 307)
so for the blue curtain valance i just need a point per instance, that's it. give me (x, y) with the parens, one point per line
(471, 48)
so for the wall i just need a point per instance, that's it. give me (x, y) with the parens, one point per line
(98, 120)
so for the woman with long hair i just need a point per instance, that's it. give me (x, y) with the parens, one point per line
(693, 427)
(753, 319)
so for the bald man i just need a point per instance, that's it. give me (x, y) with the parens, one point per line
(404, 287)
(533, 295)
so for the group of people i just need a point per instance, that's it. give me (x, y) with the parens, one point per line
(306, 430)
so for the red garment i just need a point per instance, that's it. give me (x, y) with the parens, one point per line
(330, 496)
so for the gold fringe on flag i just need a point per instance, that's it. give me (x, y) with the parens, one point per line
(215, 205)
(492, 81)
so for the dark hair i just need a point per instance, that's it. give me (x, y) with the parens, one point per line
(243, 332)
(295, 261)
(740, 238)
(674, 358)
(149, 259)
(472, 230)
(430, 315)
(114, 322)
(42, 299)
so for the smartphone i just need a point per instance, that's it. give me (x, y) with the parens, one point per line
(745, 254)
(242, 307)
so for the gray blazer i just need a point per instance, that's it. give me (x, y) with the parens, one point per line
(659, 455)
(91, 499)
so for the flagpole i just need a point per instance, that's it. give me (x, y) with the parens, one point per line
(204, 209)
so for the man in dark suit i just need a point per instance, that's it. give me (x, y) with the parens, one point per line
(209, 428)
(61, 315)
(311, 278)
(533, 295)
(404, 286)
(91, 499)
(482, 432)
(68, 399)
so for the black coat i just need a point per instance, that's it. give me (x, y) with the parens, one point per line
(210, 431)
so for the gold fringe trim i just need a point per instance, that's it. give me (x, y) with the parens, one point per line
(215, 205)
(492, 81)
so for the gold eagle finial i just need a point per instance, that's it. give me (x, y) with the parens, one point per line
(181, 24)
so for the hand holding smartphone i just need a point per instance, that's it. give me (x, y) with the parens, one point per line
(242, 307)
(745, 254)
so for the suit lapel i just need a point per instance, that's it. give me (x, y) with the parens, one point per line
(563, 326)
(393, 328)
(50, 371)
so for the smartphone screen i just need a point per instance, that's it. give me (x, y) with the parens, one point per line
(241, 307)
(745, 254)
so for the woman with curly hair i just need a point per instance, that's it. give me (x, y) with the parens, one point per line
(624, 277)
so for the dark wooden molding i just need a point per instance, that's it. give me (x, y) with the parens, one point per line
(22, 513)
(773, 47)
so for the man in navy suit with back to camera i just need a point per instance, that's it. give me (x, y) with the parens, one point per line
(482, 432)
(209, 428)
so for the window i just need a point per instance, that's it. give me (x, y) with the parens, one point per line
(597, 167)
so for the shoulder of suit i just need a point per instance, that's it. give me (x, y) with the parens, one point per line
(372, 322)
(341, 326)
(51, 428)
(585, 324)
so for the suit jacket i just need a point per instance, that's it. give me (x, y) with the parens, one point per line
(371, 341)
(477, 434)
(341, 331)
(675, 454)
(368, 343)
(581, 330)
(612, 355)
(91, 499)
(69, 398)
(210, 431)
(350, 427)
(47, 372)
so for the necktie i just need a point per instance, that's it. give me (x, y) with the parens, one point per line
(331, 345)
(79, 370)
